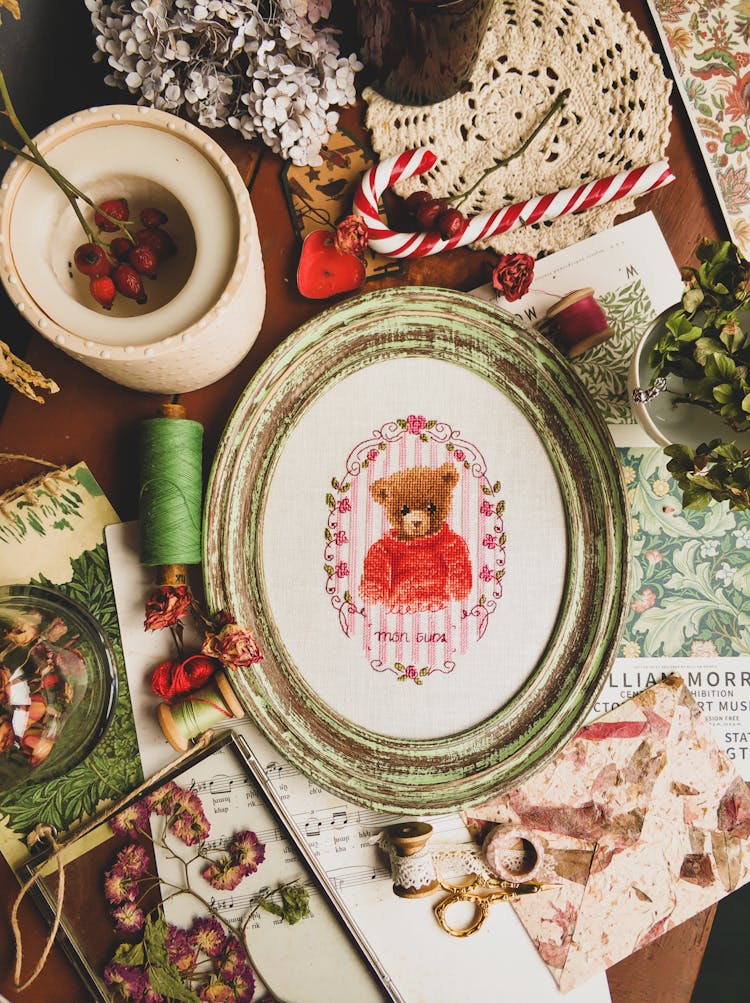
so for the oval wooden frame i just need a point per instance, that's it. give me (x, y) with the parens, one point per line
(383, 772)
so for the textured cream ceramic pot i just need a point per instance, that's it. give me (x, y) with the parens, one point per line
(205, 308)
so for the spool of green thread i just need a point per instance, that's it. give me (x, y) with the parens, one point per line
(170, 505)
(210, 706)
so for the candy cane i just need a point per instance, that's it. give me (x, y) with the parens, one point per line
(395, 244)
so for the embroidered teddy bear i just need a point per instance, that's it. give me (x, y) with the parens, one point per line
(421, 564)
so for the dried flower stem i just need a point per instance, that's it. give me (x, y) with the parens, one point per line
(558, 103)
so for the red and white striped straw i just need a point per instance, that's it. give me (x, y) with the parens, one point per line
(395, 244)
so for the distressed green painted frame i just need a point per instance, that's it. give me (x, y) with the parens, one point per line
(383, 772)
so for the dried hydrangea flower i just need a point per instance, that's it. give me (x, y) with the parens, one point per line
(268, 70)
(188, 822)
(119, 887)
(180, 949)
(162, 800)
(130, 980)
(131, 821)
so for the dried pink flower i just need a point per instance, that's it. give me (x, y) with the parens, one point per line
(128, 917)
(161, 801)
(247, 851)
(167, 605)
(224, 874)
(119, 887)
(180, 949)
(351, 236)
(128, 979)
(218, 992)
(208, 936)
(242, 982)
(132, 861)
(131, 821)
(233, 957)
(234, 646)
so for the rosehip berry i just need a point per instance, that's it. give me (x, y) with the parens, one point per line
(428, 212)
(128, 282)
(416, 199)
(152, 218)
(451, 223)
(91, 260)
(159, 241)
(103, 290)
(116, 208)
(121, 248)
(144, 260)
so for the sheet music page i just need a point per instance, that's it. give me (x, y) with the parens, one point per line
(426, 965)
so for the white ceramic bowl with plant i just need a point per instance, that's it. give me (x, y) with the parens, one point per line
(690, 380)
(206, 305)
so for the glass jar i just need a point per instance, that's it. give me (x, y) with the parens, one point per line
(421, 51)
(58, 684)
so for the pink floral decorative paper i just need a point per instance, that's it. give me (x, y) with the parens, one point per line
(708, 46)
(646, 822)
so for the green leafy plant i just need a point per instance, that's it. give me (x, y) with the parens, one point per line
(704, 345)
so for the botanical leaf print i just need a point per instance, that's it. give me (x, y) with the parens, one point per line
(113, 768)
(691, 575)
(604, 369)
(708, 41)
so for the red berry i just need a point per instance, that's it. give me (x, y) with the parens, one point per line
(428, 212)
(451, 223)
(128, 282)
(121, 248)
(116, 208)
(159, 241)
(144, 260)
(416, 199)
(91, 260)
(103, 290)
(152, 218)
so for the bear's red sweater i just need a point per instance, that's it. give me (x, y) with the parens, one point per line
(412, 576)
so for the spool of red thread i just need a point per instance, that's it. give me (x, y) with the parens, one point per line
(577, 323)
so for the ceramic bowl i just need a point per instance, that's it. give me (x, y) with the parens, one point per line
(206, 306)
(661, 419)
(50, 643)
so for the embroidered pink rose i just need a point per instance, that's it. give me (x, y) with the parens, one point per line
(645, 601)
(486, 508)
(372, 455)
(344, 505)
(654, 557)
(342, 569)
(416, 423)
(340, 538)
(489, 541)
(459, 454)
(411, 671)
(486, 574)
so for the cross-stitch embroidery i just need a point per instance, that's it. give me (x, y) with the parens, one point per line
(415, 547)
(421, 563)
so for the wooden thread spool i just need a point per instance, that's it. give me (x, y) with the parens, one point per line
(408, 839)
(577, 323)
(187, 719)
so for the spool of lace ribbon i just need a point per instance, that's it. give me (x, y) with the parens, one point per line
(415, 868)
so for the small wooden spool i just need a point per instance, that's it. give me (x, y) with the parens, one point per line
(577, 323)
(172, 575)
(219, 692)
(409, 838)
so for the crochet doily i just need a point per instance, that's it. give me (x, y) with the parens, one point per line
(616, 116)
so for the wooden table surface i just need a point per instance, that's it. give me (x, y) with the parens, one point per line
(95, 420)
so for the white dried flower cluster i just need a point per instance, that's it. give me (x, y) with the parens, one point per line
(267, 68)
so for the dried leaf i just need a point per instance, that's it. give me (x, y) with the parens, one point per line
(18, 373)
(12, 6)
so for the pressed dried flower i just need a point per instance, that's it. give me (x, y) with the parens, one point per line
(242, 982)
(180, 949)
(233, 957)
(246, 850)
(131, 821)
(132, 861)
(130, 980)
(218, 992)
(224, 874)
(234, 646)
(162, 800)
(128, 917)
(119, 887)
(207, 935)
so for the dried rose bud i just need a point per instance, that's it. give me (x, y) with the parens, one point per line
(351, 236)
(167, 605)
(234, 646)
(513, 275)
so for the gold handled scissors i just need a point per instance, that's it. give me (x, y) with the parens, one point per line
(482, 893)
